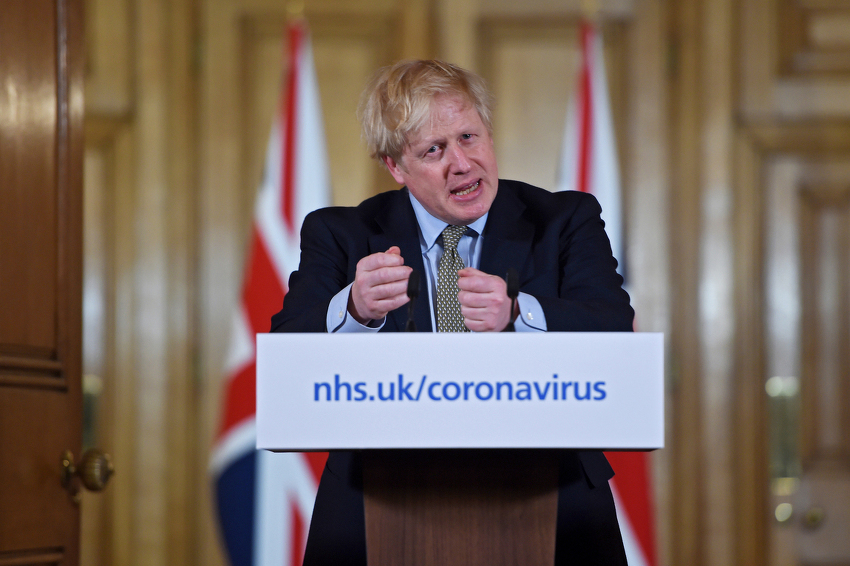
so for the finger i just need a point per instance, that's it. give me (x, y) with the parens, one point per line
(478, 320)
(474, 300)
(483, 319)
(472, 314)
(379, 260)
(384, 275)
(482, 283)
(379, 285)
(480, 309)
(391, 302)
(376, 301)
(386, 291)
(468, 271)
(381, 308)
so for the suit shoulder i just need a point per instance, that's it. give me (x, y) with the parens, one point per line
(365, 212)
(546, 203)
(374, 205)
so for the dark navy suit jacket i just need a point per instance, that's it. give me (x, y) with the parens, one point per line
(557, 244)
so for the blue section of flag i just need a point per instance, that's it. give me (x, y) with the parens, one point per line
(235, 497)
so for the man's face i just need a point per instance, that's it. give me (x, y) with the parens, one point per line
(449, 165)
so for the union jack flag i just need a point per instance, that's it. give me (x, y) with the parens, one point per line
(265, 500)
(589, 164)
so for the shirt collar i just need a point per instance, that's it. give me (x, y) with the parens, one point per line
(430, 227)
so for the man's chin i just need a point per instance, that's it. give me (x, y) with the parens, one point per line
(471, 210)
(466, 216)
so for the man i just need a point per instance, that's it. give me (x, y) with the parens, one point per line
(455, 222)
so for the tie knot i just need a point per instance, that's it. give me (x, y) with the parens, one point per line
(451, 236)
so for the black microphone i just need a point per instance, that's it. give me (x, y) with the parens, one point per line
(512, 279)
(412, 293)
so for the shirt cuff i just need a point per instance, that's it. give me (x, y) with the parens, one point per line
(338, 319)
(531, 317)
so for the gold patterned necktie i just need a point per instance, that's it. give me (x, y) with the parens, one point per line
(449, 318)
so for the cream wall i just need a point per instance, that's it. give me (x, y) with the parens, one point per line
(179, 99)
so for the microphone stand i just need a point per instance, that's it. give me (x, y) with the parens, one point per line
(512, 279)
(413, 294)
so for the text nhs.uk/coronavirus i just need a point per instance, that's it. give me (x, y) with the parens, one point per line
(425, 389)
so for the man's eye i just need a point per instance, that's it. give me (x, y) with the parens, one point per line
(432, 149)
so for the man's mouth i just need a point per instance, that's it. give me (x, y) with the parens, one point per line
(465, 191)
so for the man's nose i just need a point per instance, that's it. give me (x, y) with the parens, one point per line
(458, 160)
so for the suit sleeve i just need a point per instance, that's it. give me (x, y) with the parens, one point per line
(590, 294)
(322, 273)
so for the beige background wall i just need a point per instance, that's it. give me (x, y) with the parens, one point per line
(731, 117)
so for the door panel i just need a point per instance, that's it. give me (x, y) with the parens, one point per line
(27, 172)
(823, 500)
(808, 363)
(40, 266)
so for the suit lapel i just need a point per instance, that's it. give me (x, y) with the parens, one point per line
(507, 238)
(399, 228)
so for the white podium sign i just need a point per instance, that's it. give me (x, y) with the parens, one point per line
(427, 390)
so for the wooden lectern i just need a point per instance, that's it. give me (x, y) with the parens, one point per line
(460, 507)
(460, 458)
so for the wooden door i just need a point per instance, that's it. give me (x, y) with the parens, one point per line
(807, 322)
(792, 248)
(798, 177)
(40, 276)
(823, 499)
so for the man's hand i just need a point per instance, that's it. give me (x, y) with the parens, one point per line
(484, 301)
(380, 285)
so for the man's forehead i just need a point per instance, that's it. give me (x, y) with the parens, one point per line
(443, 111)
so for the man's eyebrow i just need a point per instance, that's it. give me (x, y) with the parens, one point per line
(428, 142)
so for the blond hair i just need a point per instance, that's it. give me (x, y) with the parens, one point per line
(398, 100)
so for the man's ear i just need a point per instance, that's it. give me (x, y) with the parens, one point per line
(395, 168)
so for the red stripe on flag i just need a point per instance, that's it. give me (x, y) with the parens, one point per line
(240, 398)
(586, 105)
(316, 461)
(262, 296)
(632, 480)
(290, 103)
(297, 535)
(634, 487)
(262, 291)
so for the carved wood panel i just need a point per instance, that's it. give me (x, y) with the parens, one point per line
(825, 373)
(823, 501)
(814, 36)
(40, 276)
(800, 250)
